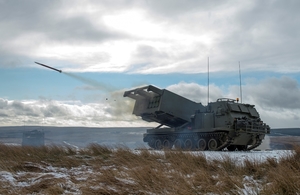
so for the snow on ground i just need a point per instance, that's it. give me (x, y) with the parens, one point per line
(48, 173)
(70, 178)
(240, 156)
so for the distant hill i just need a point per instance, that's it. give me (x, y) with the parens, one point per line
(285, 132)
(132, 137)
(78, 136)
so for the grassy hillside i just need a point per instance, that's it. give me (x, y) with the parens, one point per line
(102, 170)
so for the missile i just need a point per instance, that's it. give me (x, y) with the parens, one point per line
(48, 67)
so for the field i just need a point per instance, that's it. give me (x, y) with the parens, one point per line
(98, 169)
(131, 137)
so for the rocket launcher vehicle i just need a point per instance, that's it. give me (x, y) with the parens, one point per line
(185, 124)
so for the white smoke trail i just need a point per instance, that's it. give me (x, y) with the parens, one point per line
(117, 107)
(91, 82)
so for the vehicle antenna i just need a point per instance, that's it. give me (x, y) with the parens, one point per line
(241, 95)
(207, 80)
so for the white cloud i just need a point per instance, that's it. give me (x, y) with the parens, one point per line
(111, 36)
(153, 37)
(273, 93)
(275, 100)
(71, 113)
(196, 92)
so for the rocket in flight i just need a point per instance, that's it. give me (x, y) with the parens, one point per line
(48, 67)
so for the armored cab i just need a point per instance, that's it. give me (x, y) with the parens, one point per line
(185, 124)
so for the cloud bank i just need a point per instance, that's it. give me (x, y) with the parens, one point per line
(151, 36)
(276, 99)
(116, 110)
(73, 113)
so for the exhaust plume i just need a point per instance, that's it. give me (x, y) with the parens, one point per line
(90, 82)
(116, 107)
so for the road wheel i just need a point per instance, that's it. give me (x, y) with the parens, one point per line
(178, 144)
(188, 144)
(151, 143)
(201, 144)
(212, 144)
(167, 144)
(158, 144)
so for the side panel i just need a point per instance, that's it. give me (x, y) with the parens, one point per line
(234, 107)
(198, 118)
(208, 120)
(243, 108)
(253, 112)
(178, 106)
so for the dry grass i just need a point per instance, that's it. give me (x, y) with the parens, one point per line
(103, 170)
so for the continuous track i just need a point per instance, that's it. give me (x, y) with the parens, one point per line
(214, 141)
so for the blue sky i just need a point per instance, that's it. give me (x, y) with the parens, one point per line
(35, 82)
(30, 83)
(107, 47)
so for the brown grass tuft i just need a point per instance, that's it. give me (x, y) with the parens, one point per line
(102, 170)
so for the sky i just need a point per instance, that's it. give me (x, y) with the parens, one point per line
(107, 47)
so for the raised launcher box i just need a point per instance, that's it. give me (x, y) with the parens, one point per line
(162, 106)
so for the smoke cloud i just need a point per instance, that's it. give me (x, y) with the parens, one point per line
(116, 107)
(117, 104)
(91, 82)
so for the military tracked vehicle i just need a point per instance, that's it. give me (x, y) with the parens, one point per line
(185, 124)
